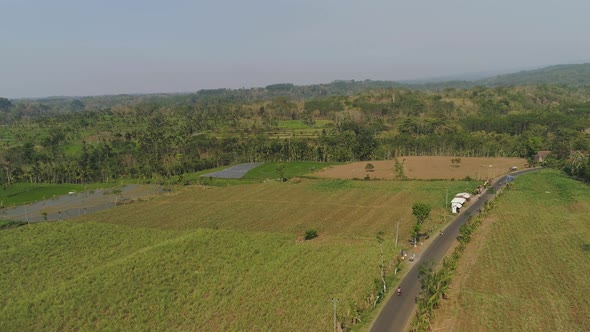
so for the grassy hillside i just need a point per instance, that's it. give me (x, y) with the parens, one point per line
(527, 268)
(222, 258)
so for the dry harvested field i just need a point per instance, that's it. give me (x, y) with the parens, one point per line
(527, 267)
(424, 168)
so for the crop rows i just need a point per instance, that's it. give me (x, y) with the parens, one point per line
(334, 207)
(220, 258)
(531, 265)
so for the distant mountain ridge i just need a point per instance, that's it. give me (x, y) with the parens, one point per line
(570, 74)
(575, 75)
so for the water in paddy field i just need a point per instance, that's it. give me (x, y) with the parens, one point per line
(78, 203)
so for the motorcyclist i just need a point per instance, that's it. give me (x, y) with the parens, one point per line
(399, 291)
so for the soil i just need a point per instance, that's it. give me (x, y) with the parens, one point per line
(426, 168)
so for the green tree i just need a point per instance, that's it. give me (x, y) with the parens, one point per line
(421, 211)
(5, 104)
(281, 171)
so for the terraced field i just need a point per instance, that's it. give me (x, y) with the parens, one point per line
(527, 268)
(212, 258)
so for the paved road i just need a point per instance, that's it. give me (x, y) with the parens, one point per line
(398, 310)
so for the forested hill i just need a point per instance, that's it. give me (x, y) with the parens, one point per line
(571, 75)
(574, 75)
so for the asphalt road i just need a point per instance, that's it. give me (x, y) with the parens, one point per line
(398, 310)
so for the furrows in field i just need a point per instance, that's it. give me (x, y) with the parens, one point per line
(527, 268)
(214, 280)
(288, 208)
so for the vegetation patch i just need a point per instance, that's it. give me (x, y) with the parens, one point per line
(4, 224)
(215, 258)
(110, 277)
(25, 193)
(291, 169)
(311, 234)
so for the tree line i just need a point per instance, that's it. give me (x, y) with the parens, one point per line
(79, 143)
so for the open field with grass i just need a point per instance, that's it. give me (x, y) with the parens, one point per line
(527, 267)
(334, 207)
(425, 168)
(212, 258)
(24, 193)
(297, 128)
(114, 277)
(268, 170)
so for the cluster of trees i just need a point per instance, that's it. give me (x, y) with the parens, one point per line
(93, 139)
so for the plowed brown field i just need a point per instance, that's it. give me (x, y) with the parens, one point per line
(425, 168)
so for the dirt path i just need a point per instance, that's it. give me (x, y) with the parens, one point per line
(76, 204)
(397, 312)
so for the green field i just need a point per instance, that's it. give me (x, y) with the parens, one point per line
(528, 267)
(211, 258)
(293, 169)
(24, 193)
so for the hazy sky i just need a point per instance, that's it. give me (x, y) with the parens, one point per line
(92, 47)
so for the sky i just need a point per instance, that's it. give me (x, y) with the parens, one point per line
(92, 47)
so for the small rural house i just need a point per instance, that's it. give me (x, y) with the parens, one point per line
(467, 196)
(457, 203)
(459, 200)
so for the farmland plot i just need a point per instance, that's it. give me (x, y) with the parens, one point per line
(219, 258)
(201, 280)
(527, 268)
(426, 168)
(334, 207)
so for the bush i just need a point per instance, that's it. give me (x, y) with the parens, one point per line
(9, 224)
(311, 234)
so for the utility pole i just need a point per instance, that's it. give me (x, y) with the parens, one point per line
(335, 302)
(396, 233)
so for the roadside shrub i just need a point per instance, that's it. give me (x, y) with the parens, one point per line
(311, 234)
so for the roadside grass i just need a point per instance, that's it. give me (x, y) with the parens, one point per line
(527, 270)
(71, 276)
(24, 193)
